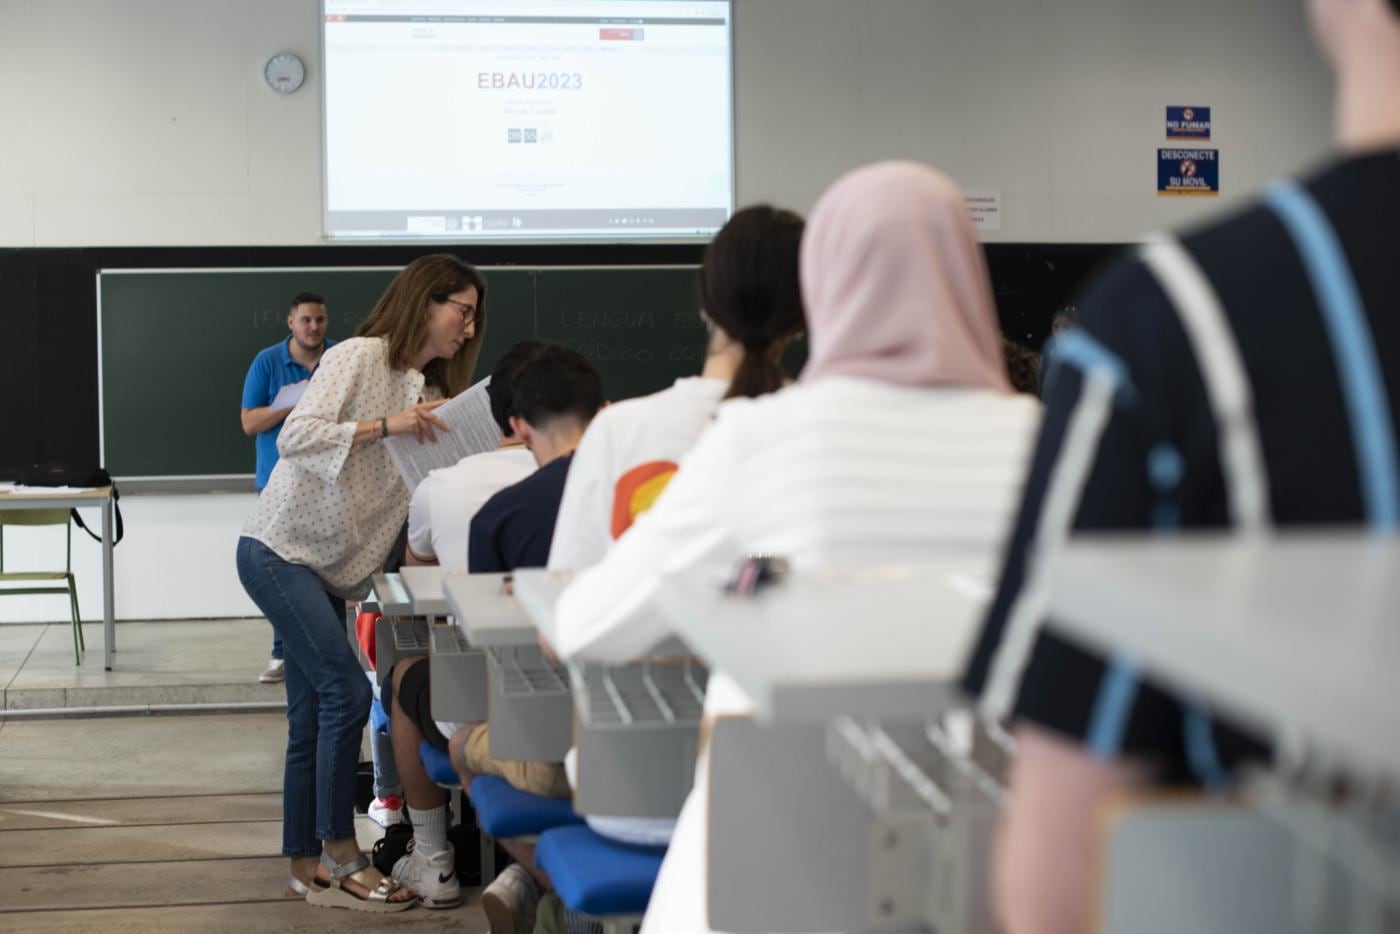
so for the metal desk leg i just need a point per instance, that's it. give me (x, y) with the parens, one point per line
(109, 629)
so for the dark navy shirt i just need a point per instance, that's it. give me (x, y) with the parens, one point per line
(272, 369)
(516, 526)
(1130, 440)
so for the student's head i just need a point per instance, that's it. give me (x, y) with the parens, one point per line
(499, 390)
(1359, 36)
(749, 290)
(1022, 367)
(896, 283)
(307, 320)
(434, 310)
(556, 394)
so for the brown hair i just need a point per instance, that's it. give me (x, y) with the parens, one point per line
(401, 316)
(1022, 367)
(749, 287)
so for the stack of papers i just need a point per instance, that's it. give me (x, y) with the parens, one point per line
(15, 489)
(473, 431)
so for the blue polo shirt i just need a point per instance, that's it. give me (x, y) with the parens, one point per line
(272, 369)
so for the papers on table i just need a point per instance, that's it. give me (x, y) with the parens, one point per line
(289, 395)
(15, 489)
(473, 431)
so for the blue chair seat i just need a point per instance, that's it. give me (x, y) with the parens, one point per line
(597, 876)
(504, 811)
(378, 717)
(438, 764)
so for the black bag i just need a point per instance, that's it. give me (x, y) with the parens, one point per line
(391, 847)
(465, 838)
(75, 475)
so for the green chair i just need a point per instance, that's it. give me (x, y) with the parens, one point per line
(44, 581)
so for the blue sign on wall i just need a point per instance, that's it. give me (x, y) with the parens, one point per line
(1188, 172)
(1188, 123)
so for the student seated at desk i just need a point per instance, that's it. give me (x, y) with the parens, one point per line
(447, 499)
(555, 393)
(902, 440)
(1247, 376)
(752, 307)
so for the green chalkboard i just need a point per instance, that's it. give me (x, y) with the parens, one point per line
(175, 345)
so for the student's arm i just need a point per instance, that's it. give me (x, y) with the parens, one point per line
(256, 421)
(420, 525)
(604, 615)
(581, 530)
(1049, 847)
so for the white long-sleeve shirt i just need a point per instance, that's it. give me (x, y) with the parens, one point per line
(842, 472)
(629, 452)
(329, 505)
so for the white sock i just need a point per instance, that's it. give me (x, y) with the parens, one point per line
(429, 829)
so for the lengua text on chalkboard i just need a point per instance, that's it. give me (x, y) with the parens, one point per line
(599, 319)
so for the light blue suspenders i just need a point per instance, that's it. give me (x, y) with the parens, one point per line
(1368, 411)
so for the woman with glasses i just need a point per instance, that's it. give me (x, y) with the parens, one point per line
(324, 523)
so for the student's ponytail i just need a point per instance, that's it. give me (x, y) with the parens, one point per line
(749, 288)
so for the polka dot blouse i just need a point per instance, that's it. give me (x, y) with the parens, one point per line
(328, 505)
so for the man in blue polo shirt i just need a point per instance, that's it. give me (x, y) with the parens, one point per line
(286, 362)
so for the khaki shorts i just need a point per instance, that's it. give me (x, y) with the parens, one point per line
(537, 778)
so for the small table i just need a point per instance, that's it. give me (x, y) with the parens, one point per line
(102, 499)
(1296, 632)
(486, 613)
(424, 585)
(882, 642)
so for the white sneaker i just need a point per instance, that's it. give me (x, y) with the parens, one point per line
(510, 902)
(432, 878)
(386, 811)
(275, 673)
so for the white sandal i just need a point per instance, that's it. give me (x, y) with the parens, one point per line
(297, 886)
(333, 894)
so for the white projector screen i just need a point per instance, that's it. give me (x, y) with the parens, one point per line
(547, 120)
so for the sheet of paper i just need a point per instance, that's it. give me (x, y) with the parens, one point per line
(18, 490)
(473, 431)
(289, 395)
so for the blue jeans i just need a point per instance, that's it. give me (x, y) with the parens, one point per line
(328, 698)
(277, 651)
(381, 749)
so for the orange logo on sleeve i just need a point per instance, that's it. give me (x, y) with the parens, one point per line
(635, 492)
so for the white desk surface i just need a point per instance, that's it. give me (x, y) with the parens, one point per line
(424, 586)
(1301, 631)
(880, 642)
(39, 498)
(537, 591)
(485, 612)
(392, 595)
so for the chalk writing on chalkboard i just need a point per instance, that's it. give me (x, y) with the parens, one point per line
(598, 350)
(601, 319)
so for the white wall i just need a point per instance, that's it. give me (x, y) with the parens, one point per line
(176, 562)
(146, 122)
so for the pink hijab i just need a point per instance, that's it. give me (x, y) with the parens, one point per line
(896, 285)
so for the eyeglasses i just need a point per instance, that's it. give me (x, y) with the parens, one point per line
(468, 312)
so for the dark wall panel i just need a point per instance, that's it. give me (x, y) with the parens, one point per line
(48, 314)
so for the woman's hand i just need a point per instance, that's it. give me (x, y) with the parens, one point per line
(418, 421)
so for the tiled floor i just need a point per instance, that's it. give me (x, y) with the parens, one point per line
(203, 662)
(154, 823)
